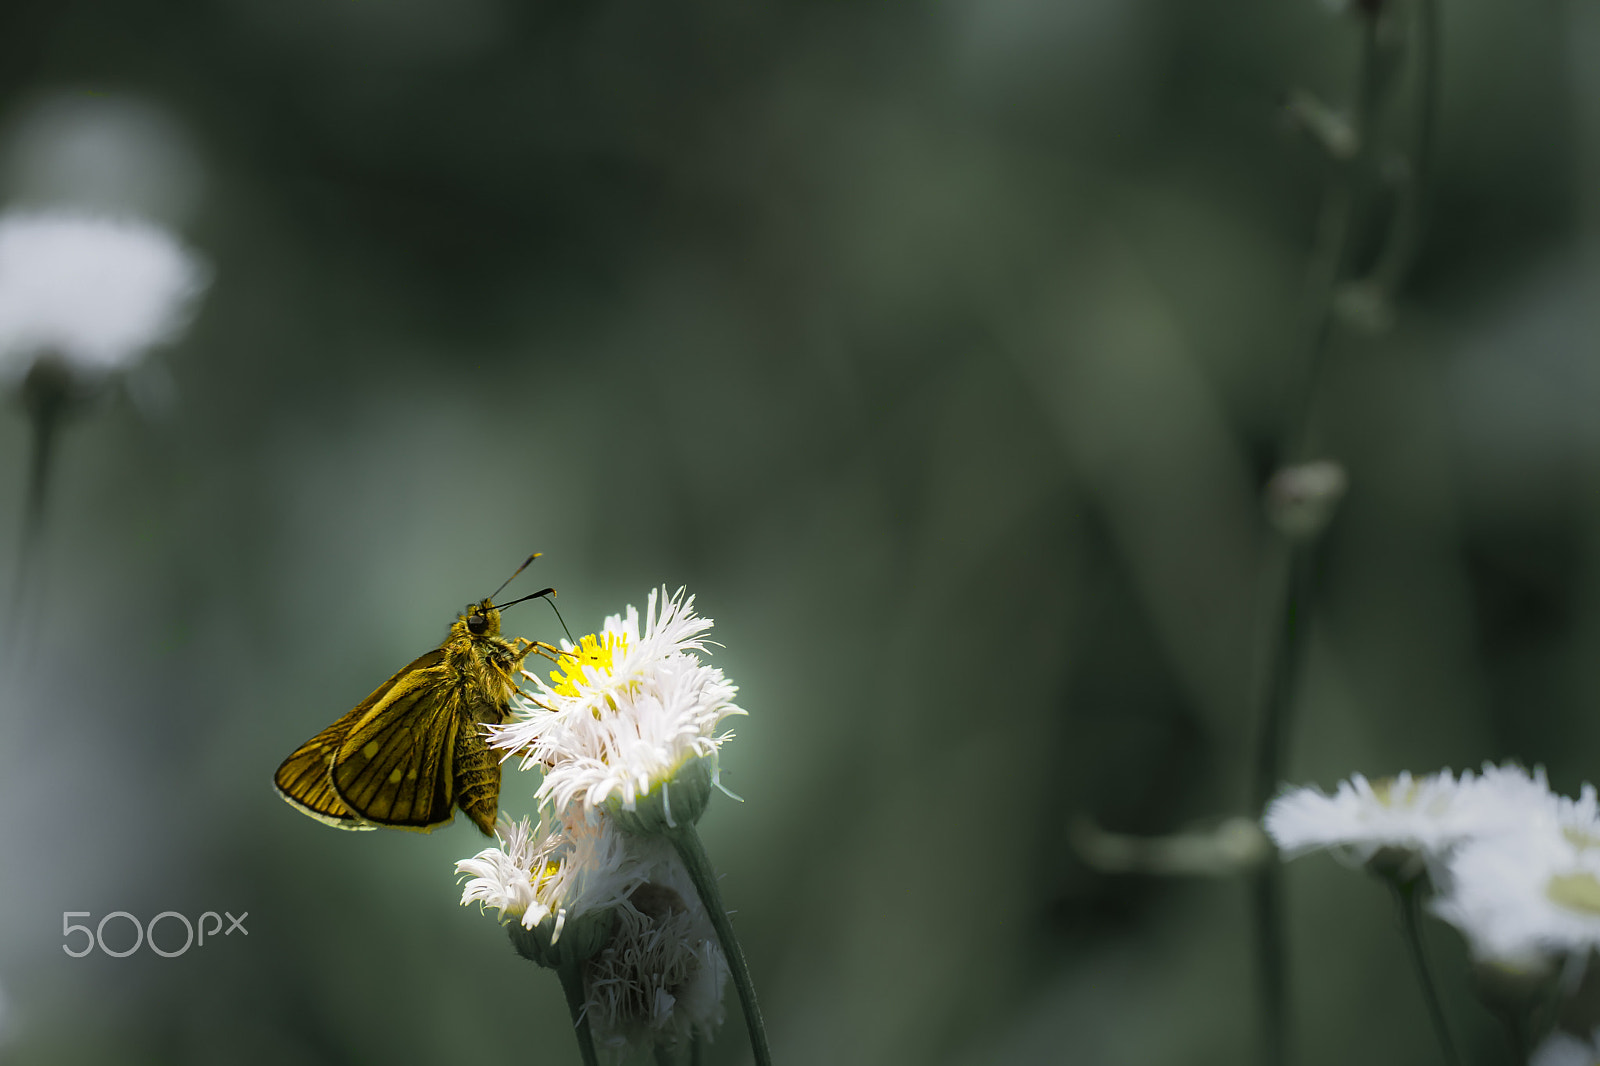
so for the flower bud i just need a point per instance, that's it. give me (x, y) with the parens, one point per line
(1301, 499)
(553, 943)
(674, 801)
(1514, 986)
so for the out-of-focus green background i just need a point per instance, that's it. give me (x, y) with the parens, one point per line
(938, 348)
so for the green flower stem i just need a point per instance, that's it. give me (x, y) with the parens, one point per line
(693, 854)
(1410, 214)
(572, 984)
(46, 400)
(1335, 235)
(1294, 565)
(1272, 986)
(1517, 1036)
(1405, 896)
(697, 1050)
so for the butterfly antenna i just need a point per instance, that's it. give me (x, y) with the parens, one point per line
(551, 601)
(548, 595)
(513, 577)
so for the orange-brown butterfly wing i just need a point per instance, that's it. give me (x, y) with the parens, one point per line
(305, 778)
(395, 763)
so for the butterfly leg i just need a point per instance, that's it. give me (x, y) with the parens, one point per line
(549, 651)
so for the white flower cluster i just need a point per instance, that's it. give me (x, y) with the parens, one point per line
(1515, 867)
(628, 713)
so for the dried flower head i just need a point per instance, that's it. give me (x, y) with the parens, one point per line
(660, 980)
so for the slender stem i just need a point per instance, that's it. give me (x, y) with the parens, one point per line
(1272, 977)
(1272, 984)
(1405, 897)
(1295, 570)
(1294, 565)
(572, 984)
(45, 416)
(1335, 236)
(693, 854)
(664, 1056)
(1411, 213)
(1517, 1037)
(697, 1049)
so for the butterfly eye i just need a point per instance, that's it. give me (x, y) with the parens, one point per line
(476, 623)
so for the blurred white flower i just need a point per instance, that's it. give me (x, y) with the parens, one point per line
(660, 979)
(94, 291)
(626, 712)
(106, 151)
(1579, 819)
(1518, 896)
(1561, 1048)
(562, 868)
(1414, 820)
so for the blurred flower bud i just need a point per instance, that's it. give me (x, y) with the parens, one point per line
(1301, 499)
(1365, 8)
(1514, 986)
(1234, 846)
(1329, 128)
(1580, 1009)
(1364, 305)
(110, 153)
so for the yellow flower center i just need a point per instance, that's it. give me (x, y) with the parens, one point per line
(1387, 793)
(591, 651)
(1579, 839)
(1578, 892)
(551, 871)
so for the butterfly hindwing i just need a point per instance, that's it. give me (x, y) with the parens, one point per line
(394, 764)
(305, 778)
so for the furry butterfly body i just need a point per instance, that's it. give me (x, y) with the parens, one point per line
(412, 752)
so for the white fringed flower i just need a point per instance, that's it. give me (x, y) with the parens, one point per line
(660, 979)
(1578, 820)
(1416, 820)
(563, 868)
(1518, 896)
(1561, 1048)
(625, 714)
(94, 291)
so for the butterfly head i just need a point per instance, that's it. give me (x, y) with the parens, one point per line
(481, 619)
